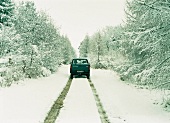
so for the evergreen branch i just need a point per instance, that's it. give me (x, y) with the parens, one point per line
(162, 84)
(129, 15)
(149, 6)
(162, 62)
(152, 2)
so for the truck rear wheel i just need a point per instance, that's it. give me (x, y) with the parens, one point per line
(71, 76)
(88, 76)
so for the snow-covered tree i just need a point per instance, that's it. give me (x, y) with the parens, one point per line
(84, 47)
(37, 43)
(9, 41)
(6, 12)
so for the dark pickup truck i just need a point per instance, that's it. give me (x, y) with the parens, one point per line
(79, 66)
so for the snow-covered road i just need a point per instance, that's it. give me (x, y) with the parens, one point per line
(79, 105)
(31, 100)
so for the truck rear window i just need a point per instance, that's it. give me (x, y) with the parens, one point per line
(80, 61)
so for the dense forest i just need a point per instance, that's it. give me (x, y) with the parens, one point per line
(138, 49)
(31, 45)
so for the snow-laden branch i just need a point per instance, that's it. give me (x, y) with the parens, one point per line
(140, 34)
(152, 2)
(129, 15)
(143, 32)
(149, 6)
(162, 84)
(162, 62)
(157, 8)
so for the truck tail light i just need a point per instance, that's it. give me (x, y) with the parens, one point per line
(70, 67)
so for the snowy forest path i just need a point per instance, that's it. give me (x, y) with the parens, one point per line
(79, 105)
(58, 104)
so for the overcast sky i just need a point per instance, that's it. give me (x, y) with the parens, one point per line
(80, 17)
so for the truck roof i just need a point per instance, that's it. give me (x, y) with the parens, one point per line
(79, 58)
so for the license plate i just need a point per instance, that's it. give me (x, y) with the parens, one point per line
(80, 71)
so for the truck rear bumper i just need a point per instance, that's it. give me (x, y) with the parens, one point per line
(80, 73)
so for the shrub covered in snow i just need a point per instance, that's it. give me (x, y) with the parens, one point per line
(11, 75)
(167, 104)
(45, 72)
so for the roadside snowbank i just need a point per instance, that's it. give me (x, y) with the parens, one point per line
(125, 103)
(30, 100)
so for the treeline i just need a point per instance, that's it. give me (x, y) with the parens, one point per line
(139, 49)
(30, 44)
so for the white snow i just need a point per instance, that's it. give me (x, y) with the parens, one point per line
(3, 60)
(30, 101)
(125, 103)
(79, 105)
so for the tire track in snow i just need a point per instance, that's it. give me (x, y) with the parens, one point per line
(58, 104)
(103, 116)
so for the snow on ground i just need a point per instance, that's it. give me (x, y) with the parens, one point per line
(125, 103)
(79, 105)
(30, 100)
